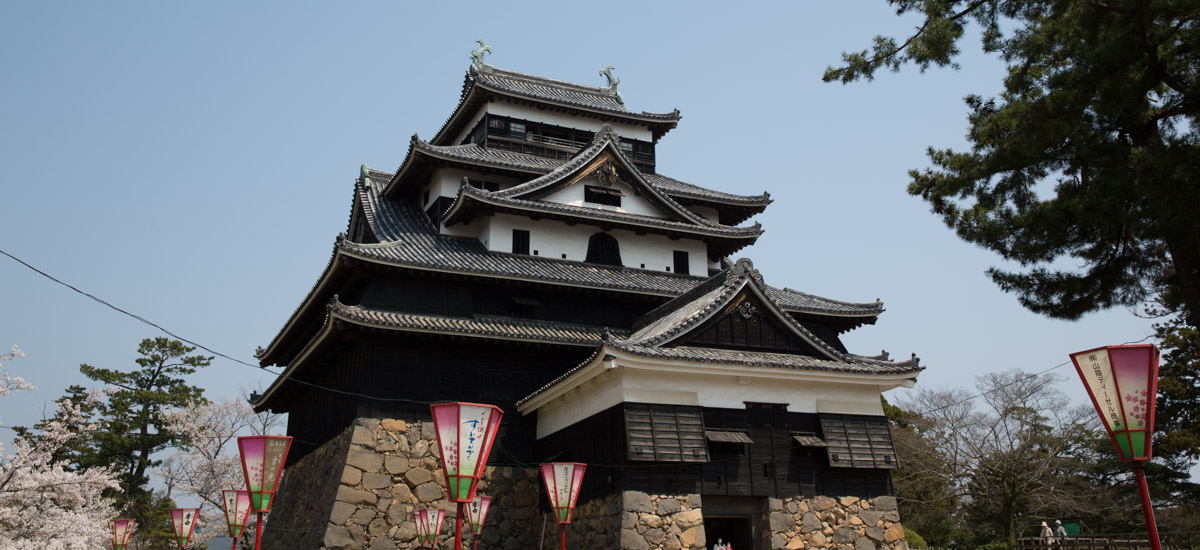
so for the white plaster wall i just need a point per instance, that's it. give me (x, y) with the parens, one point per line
(709, 213)
(553, 239)
(631, 203)
(630, 385)
(729, 392)
(594, 396)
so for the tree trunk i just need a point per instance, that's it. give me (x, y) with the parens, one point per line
(1184, 249)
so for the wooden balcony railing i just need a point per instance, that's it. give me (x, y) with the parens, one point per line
(1114, 541)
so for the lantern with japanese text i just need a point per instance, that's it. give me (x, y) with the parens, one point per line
(237, 511)
(183, 520)
(122, 530)
(465, 432)
(563, 480)
(477, 514)
(1123, 384)
(429, 524)
(263, 457)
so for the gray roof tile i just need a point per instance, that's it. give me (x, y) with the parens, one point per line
(479, 326)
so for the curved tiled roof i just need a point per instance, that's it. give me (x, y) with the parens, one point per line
(557, 91)
(479, 326)
(499, 158)
(589, 100)
(471, 194)
(407, 238)
(766, 359)
(692, 309)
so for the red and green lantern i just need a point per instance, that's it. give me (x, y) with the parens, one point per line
(183, 520)
(429, 524)
(465, 432)
(563, 480)
(237, 510)
(122, 530)
(263, 457)
(1123, 383)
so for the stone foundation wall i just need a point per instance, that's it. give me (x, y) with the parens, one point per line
(305, 495)
(660, 522)
(361, 490)
(845, 523)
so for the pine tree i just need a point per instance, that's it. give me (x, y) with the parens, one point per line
(1100, 102)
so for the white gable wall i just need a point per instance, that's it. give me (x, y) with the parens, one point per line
(631, 203)
(553, 239)
(607, 384)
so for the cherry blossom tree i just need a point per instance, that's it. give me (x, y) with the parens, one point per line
(42, 503)
(209, 462)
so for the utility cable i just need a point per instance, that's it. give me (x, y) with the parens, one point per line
(133, 315)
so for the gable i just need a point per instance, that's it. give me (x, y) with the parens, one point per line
(746, 323)
(616, 196)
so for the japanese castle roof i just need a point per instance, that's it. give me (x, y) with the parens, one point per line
(480, 326)
(603, 157)
(734, 208)
(485, 83)
(407, 239)
(662, 333)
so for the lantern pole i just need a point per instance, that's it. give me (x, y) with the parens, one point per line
(458, 517)
(1144, 491)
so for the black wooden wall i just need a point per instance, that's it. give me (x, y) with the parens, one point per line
(774, 466)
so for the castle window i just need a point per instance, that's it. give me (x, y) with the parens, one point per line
(485, 185)
(602, 195)
(520, 242)
(516, 130)
(681, 262)
(523, 308)
(603, 249)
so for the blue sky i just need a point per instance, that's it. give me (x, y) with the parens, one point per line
(193, 163)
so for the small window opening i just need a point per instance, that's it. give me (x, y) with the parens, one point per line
(603, 249)
(681, 262)
(520, 241)
(602, 195)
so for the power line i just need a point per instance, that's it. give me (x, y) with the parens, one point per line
(134, 315)
(206, 348)
(1019, 380)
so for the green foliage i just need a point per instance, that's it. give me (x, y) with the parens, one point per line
(913, 539)
(134, 430)
(1177, 416)
(926, 498)
(1100, 104)
(134, 410)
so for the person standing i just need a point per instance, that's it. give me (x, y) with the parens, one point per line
(1060, 533)
(1047, 535)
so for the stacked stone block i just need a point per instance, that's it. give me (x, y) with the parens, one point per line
(845, 523)
(361, 490)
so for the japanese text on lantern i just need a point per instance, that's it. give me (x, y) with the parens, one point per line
(1098, 371)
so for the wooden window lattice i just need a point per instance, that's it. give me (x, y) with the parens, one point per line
(856, 441)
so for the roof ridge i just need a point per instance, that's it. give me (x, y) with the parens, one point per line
(598, 90)
(843, 302)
